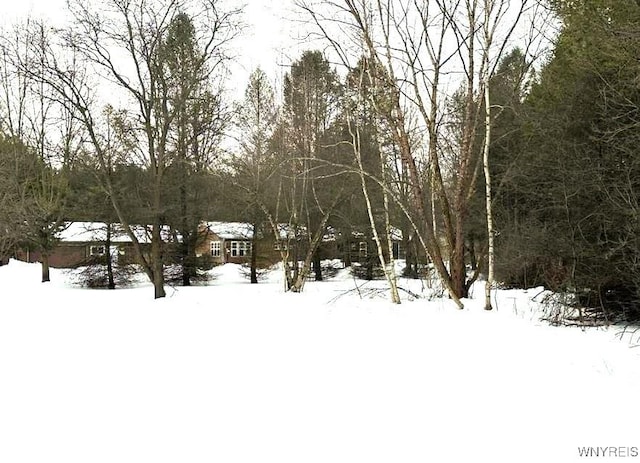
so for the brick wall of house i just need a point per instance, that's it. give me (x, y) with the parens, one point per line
(62, 256)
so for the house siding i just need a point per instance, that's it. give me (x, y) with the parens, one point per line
(71, 255)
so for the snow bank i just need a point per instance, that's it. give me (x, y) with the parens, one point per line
(236, 372)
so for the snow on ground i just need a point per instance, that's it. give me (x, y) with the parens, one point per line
(234, 372)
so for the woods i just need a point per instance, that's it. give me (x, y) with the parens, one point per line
(496, 139)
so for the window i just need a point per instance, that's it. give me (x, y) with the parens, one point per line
(215, 248)
(96, 250)
(240, 248)
(281, 246)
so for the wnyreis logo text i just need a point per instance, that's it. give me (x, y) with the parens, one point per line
(609, 452)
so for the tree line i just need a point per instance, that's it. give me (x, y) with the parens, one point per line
(442, 119)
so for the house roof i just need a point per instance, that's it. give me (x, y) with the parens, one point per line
(396, 234)
(92, 232)
(231, 230)
(244, 231)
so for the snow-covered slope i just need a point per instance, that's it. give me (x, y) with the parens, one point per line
(235, 372)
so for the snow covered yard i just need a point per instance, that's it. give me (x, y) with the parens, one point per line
(235, 372)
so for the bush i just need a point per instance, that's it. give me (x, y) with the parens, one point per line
(95, 276)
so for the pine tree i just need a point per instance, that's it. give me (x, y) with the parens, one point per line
(256, 119)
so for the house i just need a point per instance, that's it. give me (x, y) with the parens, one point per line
(83, 243)
(356, 246)
(233, 242)
(226, 242)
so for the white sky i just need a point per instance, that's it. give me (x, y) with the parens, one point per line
(270, 39)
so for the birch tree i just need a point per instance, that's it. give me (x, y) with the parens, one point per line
(421, 45)
(499, 24)
(310, 107)
(364, 102)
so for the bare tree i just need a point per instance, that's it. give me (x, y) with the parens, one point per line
(46, 130)
(423, 47)
(119, 45)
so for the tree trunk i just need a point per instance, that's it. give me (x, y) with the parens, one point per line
(458, 270)
(317, 267)
(110, 281)
(409, 270)
(294, 274)
(45, 266)
(389, 268)
(489, 207)
(156, 261)
(188, 267)
(158, 283)
(487, 174)
(369, 267)
(187, 264)
(301, 276)
(347, 253)
(254, 254)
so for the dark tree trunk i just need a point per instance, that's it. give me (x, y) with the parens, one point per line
(296, 267)
(156, 261)
(45, 267)
(457, 264)
(369, 267)
(347, 253)
(158, 285)
(187, 264)
(470, 250)
(317, 267)
(254, 255)
(111, 282)
(411, 265)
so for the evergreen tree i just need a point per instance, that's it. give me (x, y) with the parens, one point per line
(256, 119)
(311, 97)
(197, 126)
(577, 189)
(17, 164)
